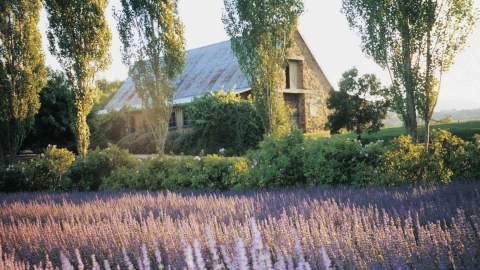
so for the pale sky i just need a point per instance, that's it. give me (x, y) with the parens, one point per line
(325, 29)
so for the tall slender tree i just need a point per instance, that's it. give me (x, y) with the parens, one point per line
(154, 46)
(448, 24)
(391, 33)
(79, 37)
(22, 71)
(416, 41)
(261, 33)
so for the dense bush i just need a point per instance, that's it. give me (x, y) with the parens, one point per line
(334, 161)
(56, 117)
(87, 173)
(278, 162)
(446, 158)
(209, 172)
(13, 177)
(224, 121)
(41, 173)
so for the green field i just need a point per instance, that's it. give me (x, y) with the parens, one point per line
(464, 130)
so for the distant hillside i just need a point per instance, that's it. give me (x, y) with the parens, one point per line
(392, 119)
(458, 115)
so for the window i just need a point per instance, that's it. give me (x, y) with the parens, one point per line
(186, 121)
(294, 73)
(172, 124)
(287, 77)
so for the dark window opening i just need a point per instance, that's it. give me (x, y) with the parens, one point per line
(131, 125)
(172, 123)
(186, 120)
(287, 77)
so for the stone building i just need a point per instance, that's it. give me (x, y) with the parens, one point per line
(215, 67)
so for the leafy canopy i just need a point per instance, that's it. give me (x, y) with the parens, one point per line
(261, 33)
(153, 45)
(357, 105)
(416, 41)
(22, 71)
(79, 37)
(224, 120)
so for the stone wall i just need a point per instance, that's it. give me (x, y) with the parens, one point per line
(316, 86)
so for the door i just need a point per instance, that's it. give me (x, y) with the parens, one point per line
(292, 101)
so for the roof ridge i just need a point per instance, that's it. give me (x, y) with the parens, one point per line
(209, 45)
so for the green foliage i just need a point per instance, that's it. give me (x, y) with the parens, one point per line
(351, 109)
(108, 128)
(105, 91)
(56, 118)
(472, 168)
(278, 161)
(210, 172)
(87, 172)
(183, 143)
(153, 44)
(224, 121)
(80, 38)
(342, 162)
(409, 163)
(13, 177)
(41, 173)
(416, 41)
(261, 33)
(466, 131)
(22, 72)
(46, 171)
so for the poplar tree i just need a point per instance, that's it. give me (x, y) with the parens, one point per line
(448, 24)
(261, 33)
(416, 41)
(153, 45)
(79, 37)
(22, 72)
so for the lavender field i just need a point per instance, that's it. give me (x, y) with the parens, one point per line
(335, 228)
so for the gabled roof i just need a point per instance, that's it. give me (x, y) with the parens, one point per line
(209, 68)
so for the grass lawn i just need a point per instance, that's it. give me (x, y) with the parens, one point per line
(464, 130)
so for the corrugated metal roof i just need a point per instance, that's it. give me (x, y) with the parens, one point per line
(209, 68)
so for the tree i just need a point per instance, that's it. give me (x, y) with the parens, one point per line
(448, 24)
(404, 37)
(224, 120)
(22, 72)
(261, 33)
(357, 105)
(105, 91)
(79, 37)
(153, 45)
(54, 124)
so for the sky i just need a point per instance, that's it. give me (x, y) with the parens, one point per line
(336, 47)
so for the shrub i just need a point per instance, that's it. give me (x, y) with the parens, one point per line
(41, 173)
(472, 167)
(224, 121)
(335, 161)
(13, 178)
(46, 172)
(87, 173)
(407, 163)
(210, 172)
(278, 161)
(182, 143)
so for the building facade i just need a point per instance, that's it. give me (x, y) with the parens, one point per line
(214, 68)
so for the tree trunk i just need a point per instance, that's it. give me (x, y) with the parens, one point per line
(409, 84)
(427, 133)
